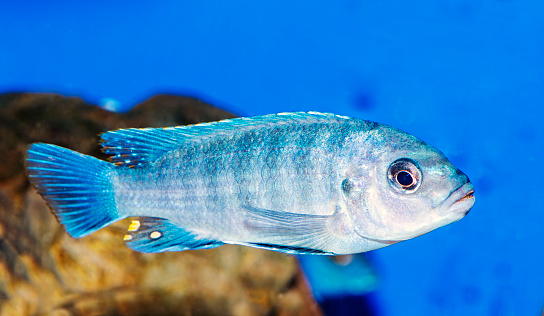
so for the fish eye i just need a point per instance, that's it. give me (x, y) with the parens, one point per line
(404, 176)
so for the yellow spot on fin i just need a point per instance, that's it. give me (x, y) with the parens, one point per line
(127, 237)
(134, 226)
(155, 235)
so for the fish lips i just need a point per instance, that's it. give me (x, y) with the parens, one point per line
(460, 201)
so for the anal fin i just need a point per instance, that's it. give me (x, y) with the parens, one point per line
(153, 234)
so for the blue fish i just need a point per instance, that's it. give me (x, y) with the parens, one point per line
(299, 183)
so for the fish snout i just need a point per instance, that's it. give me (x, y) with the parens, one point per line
(460, 200)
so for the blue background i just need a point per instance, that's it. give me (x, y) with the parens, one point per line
(465, 76)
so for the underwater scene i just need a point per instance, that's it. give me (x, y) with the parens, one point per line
(402, 176)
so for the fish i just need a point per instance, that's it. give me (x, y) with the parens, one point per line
(297, 183)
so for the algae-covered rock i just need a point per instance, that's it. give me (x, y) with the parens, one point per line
(44, 271)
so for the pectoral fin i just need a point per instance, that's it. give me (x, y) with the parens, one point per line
(289, 232)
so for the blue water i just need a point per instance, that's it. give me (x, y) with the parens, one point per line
(465, 76)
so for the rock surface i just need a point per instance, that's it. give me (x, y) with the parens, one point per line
(44, 271)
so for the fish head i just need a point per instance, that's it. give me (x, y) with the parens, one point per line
(405, 189)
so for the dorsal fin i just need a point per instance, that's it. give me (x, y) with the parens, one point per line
(135, 147)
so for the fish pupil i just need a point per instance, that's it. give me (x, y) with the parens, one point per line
(404, 178)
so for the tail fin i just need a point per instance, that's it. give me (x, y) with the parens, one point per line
(77, 187)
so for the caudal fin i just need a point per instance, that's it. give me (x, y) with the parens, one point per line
(77, 187)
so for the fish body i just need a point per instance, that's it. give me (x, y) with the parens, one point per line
(300, 183)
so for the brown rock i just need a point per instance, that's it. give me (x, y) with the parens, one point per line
(44, 271)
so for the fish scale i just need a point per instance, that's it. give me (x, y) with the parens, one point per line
(221, 183)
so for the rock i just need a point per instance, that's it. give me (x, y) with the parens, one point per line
(44, 271)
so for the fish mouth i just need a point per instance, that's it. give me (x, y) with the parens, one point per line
(466, 197)
(459, 201)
